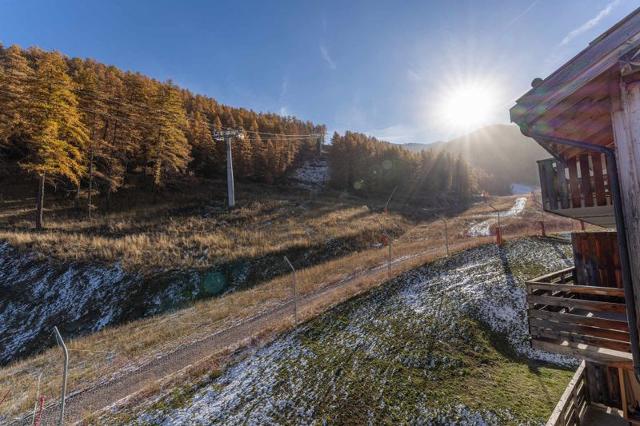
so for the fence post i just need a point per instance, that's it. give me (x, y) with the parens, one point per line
(64, 376)
(35, 406)
(446, 235)
(38, 417)
(389, 262)
(295, 297)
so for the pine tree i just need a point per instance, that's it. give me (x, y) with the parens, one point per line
(57, 134)
(15, 79)
(203, 146)
(168, 150)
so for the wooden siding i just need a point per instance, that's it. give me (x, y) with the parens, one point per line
(596, 258)
(578, 188)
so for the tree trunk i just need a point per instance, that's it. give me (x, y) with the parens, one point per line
(90, 177)
(40, 202)
(108, 206)
(76, 199)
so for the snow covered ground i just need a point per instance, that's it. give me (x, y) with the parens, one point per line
(483, 229)
(362, 359)
(79, 298)
(312, 174)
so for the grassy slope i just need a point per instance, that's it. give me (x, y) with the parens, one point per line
(114, 349)
(191, 229)
(373, 360)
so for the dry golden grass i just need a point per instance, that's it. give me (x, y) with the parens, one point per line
(114, 350)
(193, 233)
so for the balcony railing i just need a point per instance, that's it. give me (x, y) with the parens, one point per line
(581, 320)
(578, 187)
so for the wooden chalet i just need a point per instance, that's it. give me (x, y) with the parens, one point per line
(587, 116)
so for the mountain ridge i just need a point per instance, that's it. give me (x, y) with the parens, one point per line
(499, 154)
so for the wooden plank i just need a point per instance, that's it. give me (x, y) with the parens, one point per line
(561, 406)
(598, 178)
(552, 192)
(599, 342)
(585, 180)
(623, 393)
(593, 61)
(563, 185)
(622, 336)
(590, 353)
(544, 189)
(580, 319)
(578, 289)
(573, 183)
(589, 305)
(549, 276)
(626, 124)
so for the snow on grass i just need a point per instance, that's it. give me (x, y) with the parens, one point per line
(483, 229)
(483, 282)
(312, 174)
(369, 359)
(77, 297)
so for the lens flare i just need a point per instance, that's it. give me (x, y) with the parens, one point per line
(467, 106)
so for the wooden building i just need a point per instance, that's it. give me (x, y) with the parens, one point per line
(587, 116)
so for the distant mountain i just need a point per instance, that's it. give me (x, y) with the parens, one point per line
(499, 154)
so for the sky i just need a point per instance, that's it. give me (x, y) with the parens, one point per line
(385, 68)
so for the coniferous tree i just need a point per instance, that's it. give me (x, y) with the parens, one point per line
(15, 81)
(168, 150)
(56, 133)
(203, 146)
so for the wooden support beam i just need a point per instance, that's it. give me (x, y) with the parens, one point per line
(598, 177)
(600, 355)
(578, 289)
(588, 305)
(580, 319)
(562, 336)
(585, 180)
(573, 181)
(585, 330)
(626, 126)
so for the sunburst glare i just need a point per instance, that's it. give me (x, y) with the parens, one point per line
(468, 105)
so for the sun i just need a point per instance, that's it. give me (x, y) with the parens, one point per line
(467, 106)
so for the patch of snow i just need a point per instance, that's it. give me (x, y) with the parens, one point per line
(483, 229)
(293, 380)
(77, 297)
(312, 174)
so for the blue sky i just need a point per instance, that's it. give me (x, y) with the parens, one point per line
(379, 67)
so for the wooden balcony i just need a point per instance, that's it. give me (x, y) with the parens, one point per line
(578, 188)
(584, 321)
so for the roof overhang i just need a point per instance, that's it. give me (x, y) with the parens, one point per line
(575, 102)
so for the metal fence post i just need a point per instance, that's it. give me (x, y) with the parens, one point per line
(35, 406)
(295, 296)
(389, 262)
(65, 371)
(446, 235)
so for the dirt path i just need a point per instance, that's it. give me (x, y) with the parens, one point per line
(80, 405)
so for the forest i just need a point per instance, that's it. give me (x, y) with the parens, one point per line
(365, 165)
(80, 125)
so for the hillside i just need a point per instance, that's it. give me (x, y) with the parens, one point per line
(499, 153)
(443, 344)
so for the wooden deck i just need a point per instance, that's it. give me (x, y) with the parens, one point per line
(575, 407)
(585, 321)
(578, 188)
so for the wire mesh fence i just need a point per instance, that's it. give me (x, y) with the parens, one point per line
(116, 362)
